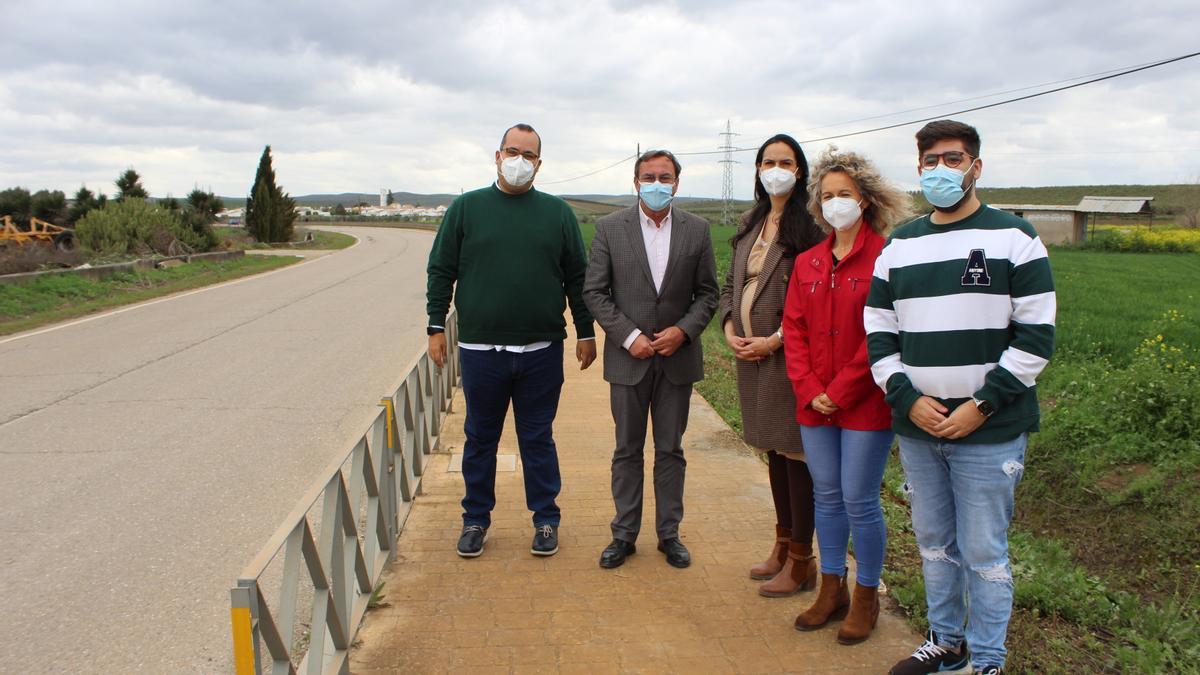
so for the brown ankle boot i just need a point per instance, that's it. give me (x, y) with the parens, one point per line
(832, 602)
(864, 612)
(768, 568)
(799, 573)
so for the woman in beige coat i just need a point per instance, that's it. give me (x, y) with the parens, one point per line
(777, 228)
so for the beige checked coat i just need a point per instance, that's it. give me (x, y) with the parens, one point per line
(765, 393)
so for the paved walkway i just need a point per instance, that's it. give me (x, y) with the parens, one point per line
(508, 611)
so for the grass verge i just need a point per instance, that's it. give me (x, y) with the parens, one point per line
(324, 240)
(61, 297)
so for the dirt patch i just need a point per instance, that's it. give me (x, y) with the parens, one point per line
(32, 258)
(1062, 646)
(1119, 478)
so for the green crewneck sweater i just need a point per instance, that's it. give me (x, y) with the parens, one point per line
(511, 263)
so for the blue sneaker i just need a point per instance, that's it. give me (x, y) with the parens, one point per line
(932, 658)
(470, 542)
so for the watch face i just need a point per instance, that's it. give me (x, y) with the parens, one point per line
(985, 408)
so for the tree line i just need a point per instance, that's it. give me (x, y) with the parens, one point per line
(132, 222)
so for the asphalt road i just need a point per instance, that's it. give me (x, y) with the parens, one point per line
(146, 455)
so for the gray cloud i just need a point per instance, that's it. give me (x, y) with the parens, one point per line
(413, 95)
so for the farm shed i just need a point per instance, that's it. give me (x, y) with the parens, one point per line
(1069, 224)
(1054, 224)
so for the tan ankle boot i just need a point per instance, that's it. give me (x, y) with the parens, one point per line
(768, 568)
(832, 602)
(864, 612)
(799, 573)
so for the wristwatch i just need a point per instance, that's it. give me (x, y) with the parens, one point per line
(434, 330)
(985, 408)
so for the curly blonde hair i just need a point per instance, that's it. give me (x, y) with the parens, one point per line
(887, 205)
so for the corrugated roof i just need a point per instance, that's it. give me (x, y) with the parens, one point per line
(1115, 204)
(1032, 207)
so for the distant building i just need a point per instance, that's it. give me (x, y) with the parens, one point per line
(1069, 224)
(383, 195)
(1054, 224)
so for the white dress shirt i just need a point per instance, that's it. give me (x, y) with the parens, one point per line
(657, 239)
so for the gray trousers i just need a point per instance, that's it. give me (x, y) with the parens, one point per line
(667, 406)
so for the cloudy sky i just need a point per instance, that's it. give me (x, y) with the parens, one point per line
(413, 96)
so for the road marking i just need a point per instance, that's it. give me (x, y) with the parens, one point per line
(176, 296)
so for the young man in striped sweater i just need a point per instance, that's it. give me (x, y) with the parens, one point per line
(960, 322)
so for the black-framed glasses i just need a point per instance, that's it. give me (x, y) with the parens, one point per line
(952, 159)
(513, 152)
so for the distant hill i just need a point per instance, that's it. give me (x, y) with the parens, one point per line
(352, 198)
(1168, 199)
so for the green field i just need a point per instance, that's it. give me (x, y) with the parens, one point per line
(1105, 541)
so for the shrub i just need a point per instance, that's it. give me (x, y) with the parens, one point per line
(136, 226)
(1139, 241)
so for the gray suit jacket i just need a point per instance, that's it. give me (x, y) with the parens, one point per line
(619, 292)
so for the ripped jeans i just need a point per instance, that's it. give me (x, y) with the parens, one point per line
(962, 504)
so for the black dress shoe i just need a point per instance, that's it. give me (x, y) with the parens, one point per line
(677, 553)
(616, 553)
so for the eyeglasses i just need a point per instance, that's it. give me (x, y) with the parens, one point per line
(513, 152)
(951, 159)
(664, 178)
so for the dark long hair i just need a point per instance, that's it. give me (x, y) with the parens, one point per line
(797, 229)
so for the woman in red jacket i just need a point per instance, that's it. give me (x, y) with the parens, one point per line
(845, 422)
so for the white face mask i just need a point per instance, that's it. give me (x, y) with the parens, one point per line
(841, 212)
(517, 171)
(777, 181)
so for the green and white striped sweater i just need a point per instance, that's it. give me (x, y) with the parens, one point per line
(960, 311)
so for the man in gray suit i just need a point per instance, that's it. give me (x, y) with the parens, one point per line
(652, 285)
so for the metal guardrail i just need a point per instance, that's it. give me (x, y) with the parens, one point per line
(363, 508)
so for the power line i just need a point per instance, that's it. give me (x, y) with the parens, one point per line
(1114, 74)
(590, 173)
(1103, 75)
(1000, 103)
(969, 98)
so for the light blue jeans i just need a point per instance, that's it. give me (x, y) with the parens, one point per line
(847, 469)
(962, 504)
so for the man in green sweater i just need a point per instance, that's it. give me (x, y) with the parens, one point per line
(512, 258)
(960, 322)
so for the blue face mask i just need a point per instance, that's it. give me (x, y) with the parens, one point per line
(943, 186)
(657, 196)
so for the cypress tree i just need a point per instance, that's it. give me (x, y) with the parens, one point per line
(270, 212)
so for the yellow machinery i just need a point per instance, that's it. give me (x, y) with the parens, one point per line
(40, 232)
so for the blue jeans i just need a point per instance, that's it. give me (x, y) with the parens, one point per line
(962, 504)
(532, 381)
(847, 470)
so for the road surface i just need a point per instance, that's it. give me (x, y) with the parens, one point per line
(146, 455)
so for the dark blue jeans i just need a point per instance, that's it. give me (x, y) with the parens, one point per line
(532, 381)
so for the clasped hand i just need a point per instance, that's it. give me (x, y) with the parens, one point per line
(936, 419)
(665, 343)
(748, 349)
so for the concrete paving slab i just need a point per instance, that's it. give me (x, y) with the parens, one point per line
(511, 612)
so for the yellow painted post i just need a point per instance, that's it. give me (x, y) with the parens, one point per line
(243, 641)
(391, 419)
